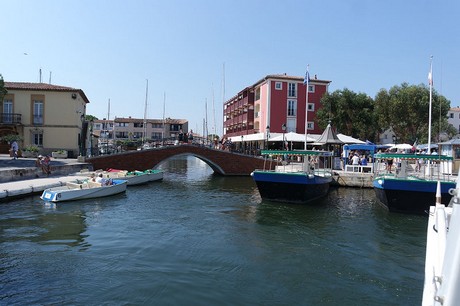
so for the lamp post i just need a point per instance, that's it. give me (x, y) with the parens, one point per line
(91, 138)
(283, 127)
(268, 136)
(242, 144)
(81, 141)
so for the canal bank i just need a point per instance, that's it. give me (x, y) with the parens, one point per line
(352, 179)
(20, 177)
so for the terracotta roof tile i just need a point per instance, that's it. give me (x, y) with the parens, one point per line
(43, 87)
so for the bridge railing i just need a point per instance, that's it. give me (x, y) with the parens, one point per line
(106, 149)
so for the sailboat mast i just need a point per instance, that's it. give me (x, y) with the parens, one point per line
(144, 126)
(430, 82)
(206, 116)
(204, 143)
(223, 95)
(306, 82)
(213, 113)
(164, 122)
(108, 125)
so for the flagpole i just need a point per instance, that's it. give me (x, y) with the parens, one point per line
(430, 82)
(306, 82)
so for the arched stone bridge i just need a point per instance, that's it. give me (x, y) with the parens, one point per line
(222, 162)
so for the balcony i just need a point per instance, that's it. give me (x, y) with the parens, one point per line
(10, 118)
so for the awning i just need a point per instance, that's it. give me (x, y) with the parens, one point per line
(291, 136)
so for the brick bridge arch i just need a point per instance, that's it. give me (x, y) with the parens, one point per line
(222, 162)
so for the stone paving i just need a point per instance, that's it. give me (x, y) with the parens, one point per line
(8, 163)
(21, 177)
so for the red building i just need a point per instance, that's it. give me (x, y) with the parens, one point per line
(272, 102)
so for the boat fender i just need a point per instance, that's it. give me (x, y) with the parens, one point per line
(59, 195)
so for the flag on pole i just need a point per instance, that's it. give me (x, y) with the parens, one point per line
(414, 146)
(430, 79)
(430, 74)
(307, 78)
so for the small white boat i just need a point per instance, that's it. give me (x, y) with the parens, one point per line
(133, 177)
(442, 262)
(83, 190)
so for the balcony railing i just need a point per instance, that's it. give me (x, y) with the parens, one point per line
(10, 118)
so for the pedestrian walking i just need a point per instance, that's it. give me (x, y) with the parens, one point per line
(14, 149)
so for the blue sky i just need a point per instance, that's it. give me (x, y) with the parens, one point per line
(109, 48)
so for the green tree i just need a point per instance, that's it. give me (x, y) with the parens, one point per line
(405, 109)
(3, 90)
(90, 118)
(350, 113)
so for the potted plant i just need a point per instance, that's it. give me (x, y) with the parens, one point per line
(30, 151)
(59, 154)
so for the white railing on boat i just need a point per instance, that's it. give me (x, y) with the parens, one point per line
(359, 168)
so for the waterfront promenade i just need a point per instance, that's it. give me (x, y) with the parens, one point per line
(21, 177)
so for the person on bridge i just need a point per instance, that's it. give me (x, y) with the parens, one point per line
(185, 137)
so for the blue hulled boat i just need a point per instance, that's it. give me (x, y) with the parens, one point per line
(301, 177)
(409, 186)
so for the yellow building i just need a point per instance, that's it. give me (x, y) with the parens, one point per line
(49, 116)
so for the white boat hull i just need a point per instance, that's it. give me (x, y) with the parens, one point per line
(133, 178)
(78, 191)
(442, 261)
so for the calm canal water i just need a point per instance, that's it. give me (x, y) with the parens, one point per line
(201, 239)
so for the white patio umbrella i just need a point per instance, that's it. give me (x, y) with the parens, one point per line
(349, 139)
(291, 136)
(402, 146)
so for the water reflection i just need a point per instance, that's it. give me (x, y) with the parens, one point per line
(200, 237)
(44, 223)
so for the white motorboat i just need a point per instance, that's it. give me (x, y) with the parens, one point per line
(442, 263)
(85, 189)
(133, 177)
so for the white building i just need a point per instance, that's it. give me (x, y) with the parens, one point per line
(453, 117)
